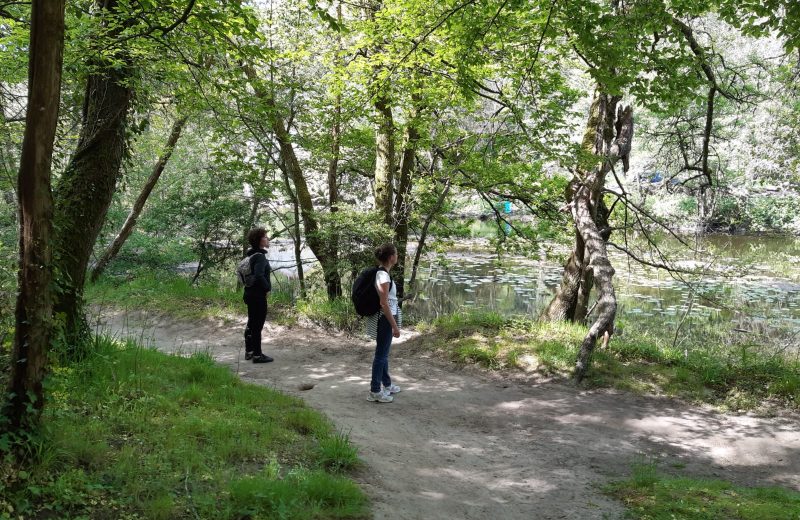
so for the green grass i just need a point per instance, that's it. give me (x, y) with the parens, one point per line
(496, 342)
(174, 294)
(705, 368)
(134, 433)
(338, 314)
(648, 495)
(739, 377)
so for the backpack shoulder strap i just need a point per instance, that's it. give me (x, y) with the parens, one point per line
(391, 282)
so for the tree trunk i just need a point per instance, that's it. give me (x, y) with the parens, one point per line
(333, 165)
(600, 215)
(423, 235)
(33, 317)
(613, 142)
(603, 273)
(336, 133)
(251, 222)
(384, 159)
(138, 206)
(402, 209)
(570, 302)
(562, 307)
(330, 272)
(333, 190)
(87, 186)
(297, 237)
(608, 137)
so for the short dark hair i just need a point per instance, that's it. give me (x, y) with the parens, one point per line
(255, 235)
(383, 252)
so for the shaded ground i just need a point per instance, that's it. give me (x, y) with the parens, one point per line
(462, 444)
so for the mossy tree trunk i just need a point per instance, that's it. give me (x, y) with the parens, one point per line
(297, 236)
(562, 306)
(402, 206)
(384, 159)
(333, 175)
(87, 186)
(33, 317)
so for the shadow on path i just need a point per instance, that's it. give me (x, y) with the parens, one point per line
(461, 444)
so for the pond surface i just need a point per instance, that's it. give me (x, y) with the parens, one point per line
(747, 281)
(750, 282)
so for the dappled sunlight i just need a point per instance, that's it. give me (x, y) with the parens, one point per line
(737, 441)
(433, 495)
(481, 445)
(458, 447)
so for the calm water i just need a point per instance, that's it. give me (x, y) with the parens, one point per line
(746, 280)
(751, 282)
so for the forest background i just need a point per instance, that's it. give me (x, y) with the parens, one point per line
(338, 125)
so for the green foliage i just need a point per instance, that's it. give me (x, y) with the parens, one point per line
(173, 437)
(772, 214)
(764, 213)
(708, 370)
(335, 314)
(8, 284)
(355, 232)
(208, 212)
(648, 494)
(167, 292)
(337, 454)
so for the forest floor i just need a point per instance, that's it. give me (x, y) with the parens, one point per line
(462, 443)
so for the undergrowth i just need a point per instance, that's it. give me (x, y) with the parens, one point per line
(176, 295)
(134, 433)
(736, 377)
(650, 495)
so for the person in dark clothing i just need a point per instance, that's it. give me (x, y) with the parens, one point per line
(255, 296)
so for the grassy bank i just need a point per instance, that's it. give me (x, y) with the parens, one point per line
(705, 367)
(736, 378)
(651, 495)
(175, 295)
(135, 433)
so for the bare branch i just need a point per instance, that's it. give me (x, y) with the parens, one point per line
(638, 259)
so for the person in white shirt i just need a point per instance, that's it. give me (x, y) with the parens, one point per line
(383, 326)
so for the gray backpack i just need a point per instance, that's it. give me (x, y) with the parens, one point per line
(244, 271)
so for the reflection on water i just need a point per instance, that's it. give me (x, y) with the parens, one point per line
(749, 278)
(750, 282)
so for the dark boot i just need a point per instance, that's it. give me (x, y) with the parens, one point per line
(262, 358)
(248, 344)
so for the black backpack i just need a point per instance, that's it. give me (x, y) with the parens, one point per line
(364, 295)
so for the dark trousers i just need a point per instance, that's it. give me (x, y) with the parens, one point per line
(256, 316)
(380, 365)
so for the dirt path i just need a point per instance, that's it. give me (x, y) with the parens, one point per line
(461, 444)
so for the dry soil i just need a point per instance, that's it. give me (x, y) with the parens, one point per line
(459, 443)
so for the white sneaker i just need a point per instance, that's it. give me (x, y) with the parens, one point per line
(380, 397)
(391, 389)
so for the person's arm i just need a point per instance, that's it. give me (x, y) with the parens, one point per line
(261, 271)
(383, 293)
(267, 275)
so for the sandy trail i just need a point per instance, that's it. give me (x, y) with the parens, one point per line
(462, 444)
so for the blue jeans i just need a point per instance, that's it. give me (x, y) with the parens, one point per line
(380, 365)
